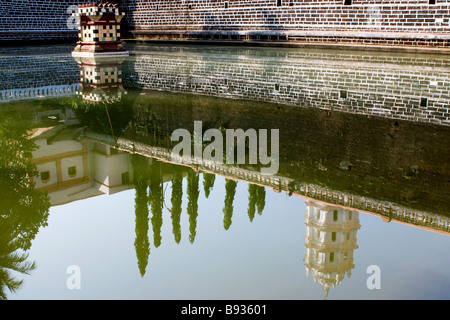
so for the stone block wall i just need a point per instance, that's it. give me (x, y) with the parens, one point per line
(372, 22)
(37, 20)
(396, 22)
(395, 15)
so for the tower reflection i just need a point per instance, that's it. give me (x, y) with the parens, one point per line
(330, 241)
(100, 79)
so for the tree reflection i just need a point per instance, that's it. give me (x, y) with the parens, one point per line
(140, 181)
(208, 183)
(230, 191)
(23, 209)
(252, 198)
(192, 207)
(11, 259)
(256, 200)
(176, 199)
(148, 176)
(260, 199)
(21, 205)
(156, 201)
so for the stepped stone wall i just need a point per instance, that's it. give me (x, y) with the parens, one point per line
(416, 23)
(397, 22)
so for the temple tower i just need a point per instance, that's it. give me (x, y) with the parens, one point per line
(99, 30)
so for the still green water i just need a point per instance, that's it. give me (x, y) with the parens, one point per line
(93, 207)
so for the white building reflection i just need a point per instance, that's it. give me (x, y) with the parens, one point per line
(330, 241)
(71, 168)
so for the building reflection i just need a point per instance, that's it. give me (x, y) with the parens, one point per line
(78, 157)
(75, 163)
(71, 168)
(330, 242)
(100, 79)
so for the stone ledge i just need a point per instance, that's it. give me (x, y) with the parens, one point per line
(433, 43)
(302, 33)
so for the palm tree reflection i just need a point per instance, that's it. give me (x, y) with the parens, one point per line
(11, 259)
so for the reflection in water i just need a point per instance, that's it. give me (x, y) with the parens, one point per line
(208, 183)
(251, 201)
(22, 206)
(156, 201)
(100, 79)
(193, 193)
(230, 191)
(176, 201)
(256, 200)
(105, 141)
(23, 210)
(330, 241)
(11, 259)
(149, 176)
(140, 183)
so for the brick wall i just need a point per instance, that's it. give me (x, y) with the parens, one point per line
(412, 15)
(36, 20)
(396, 22)
(372, 22)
